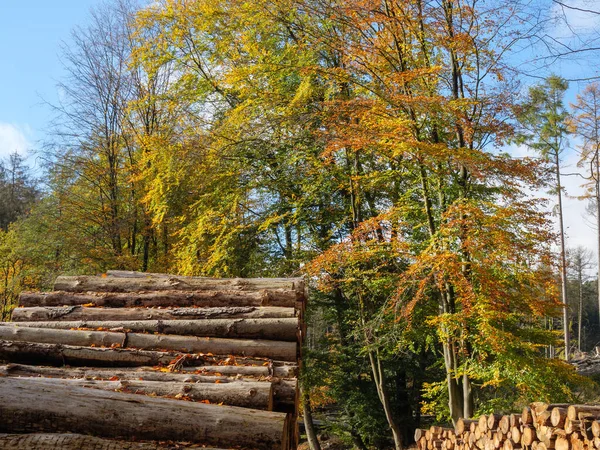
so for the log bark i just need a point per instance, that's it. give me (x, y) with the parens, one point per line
(34, 405)
(493, 421)
(573, 411)
(463, 425)
(275, 329)
(558, 417)
(285, 351)
(204, 299)
(69, 441)
(171, 283)
(59, 355)
(245, 394)
(283, 392)
(282, 371)
(70, 313)
(515, 420)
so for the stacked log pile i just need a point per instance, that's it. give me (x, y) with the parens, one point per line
(156, 358)
(540, 426)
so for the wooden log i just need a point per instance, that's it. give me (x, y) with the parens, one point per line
(558, 417)
(284, 391)
(548, 438)
(527, 436)
(275, 329)
(179, 299)
(58, 354)
(540, 407)
(174, 283)
(493, 421)
(33, 405)
(526, 416)
(504, 424)
(279, 371)
(478, 432)
(543, 419)
(515, 434)
(247, 394)
(497, 440)
(483, 423)
(69, 441)
(436, 432)
(463, 425)
(572, 426)
(595, 428)
(472, 440)
(419, 433)
(562, 443)
(515, 420)
(68, 313)
(573, 411)
(285, 351)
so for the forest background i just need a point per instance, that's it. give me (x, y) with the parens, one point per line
(390, 151)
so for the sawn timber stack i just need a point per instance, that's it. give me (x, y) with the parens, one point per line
(136, 360)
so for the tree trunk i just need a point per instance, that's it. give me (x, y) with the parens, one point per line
(580, 309)
(64, 313)
(33, 405)
(174, 283)
(205, 299)
(285, 351)
(69, 441)
(311, 435)
(468, 403)
(598, 230)
(563, 262)
(380, 384)
(276, 329)
(246, 394)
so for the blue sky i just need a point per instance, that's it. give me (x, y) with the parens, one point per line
(31, 32)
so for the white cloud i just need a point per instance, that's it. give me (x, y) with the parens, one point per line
(13, 138)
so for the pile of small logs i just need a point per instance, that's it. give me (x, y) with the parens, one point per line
(540, 426)
(128, 357)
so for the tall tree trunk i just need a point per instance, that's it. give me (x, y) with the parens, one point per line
(563, 261)
(311, 435)
(455, 401)
(380, 384)
(598, 227)
(580, 309)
